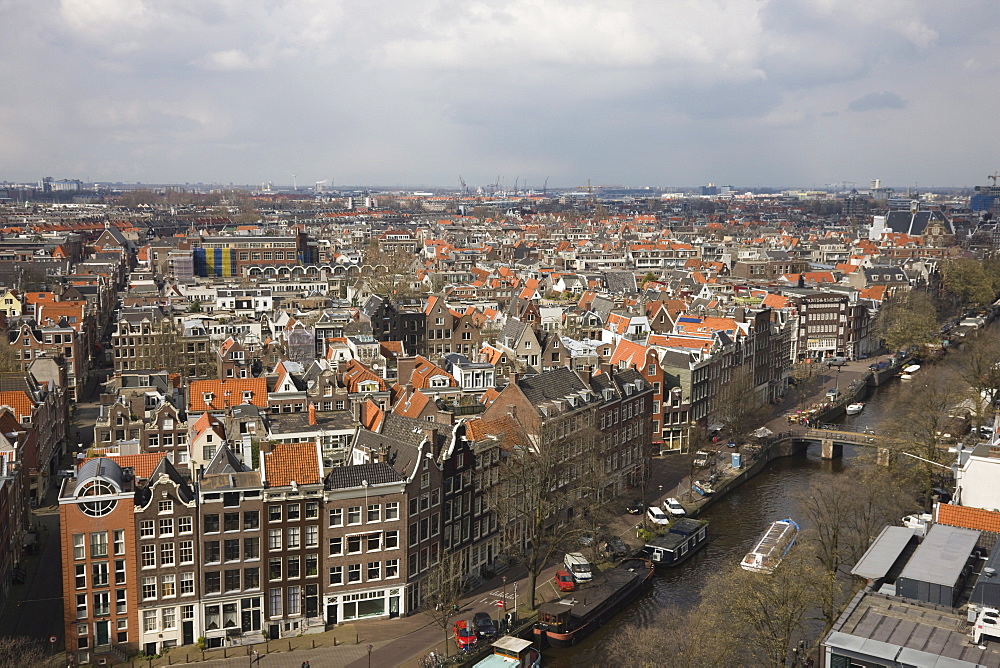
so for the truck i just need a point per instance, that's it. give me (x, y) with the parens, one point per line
(578, 566)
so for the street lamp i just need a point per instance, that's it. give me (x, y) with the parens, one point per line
(505, 593)
(370, 648)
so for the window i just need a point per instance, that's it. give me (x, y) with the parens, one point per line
(213, 582)
(231, 550)
(312, 536)
(374, 513)
(169, 617)
(293, 567)
(168, 585)
(212, 552)
(274, 598)
(211, 523)
(212, 617)
(149, 620)
(121, 604)
(148, 556)
(166, 506)
(374, 570)
(392, 511)
(187, 551)
(119, 537)
(232, 579)
(392, 568)
(79, 549)
(312, 565)
(187, 584)
(274, 539)
(251, 548)
(374, 542)
(274, 569)
(336, 517)
(294, 600)
(184, 525)
(353, 544)
(274, 513)
(81, 576)
(354, 515)
(81, 606)
(293, 538)
(251, 578)
(293, 511)
(391, 540)
(251, 520)
(336, 575)
(312, 510)
(149, 587)
(99, 545)
(336, 546)
(166, 554)
(354, 573)
(231, 522)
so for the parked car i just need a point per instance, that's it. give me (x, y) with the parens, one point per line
(484, 625)
(616, 547)
(465, 635)
(673, 507)
(635, 508)
(565, 581)
(701, 459)
(657, 516)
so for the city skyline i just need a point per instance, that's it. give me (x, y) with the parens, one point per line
(768, 93)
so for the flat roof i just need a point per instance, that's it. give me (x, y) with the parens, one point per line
(942, 555)
(883, 552)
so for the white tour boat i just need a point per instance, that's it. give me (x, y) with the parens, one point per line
(908, 371)
(772, 547)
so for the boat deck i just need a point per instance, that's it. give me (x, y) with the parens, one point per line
(591, 596)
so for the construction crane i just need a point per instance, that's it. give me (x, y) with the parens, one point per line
(994, 176)
(545, 187)
(465, 188)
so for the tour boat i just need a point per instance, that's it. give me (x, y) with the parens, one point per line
(565, 621)
(908, 372)
(855, 408)
(772, 547)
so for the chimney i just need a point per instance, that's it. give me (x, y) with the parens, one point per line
(513, 377)
(312, 413)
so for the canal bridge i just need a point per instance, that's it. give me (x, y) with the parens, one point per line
(832, 439)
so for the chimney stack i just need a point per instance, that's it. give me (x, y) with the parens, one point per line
(312, 413)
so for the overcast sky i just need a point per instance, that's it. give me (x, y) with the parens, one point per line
(417, 92)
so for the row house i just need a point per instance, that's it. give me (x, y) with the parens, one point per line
(14, 504)
(624, 422)
(100, 565)
(58, 340)
(292, 475)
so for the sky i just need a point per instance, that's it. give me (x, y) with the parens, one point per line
(415, 93)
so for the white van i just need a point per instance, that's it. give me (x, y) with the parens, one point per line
(578, 566)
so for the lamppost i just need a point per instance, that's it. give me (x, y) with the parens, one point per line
(505, 593)
(370, 648)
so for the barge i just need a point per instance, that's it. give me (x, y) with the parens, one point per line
(772, 547)
(566, 621)
(685, 537)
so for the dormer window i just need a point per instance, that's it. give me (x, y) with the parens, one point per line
(208, 397)
(247, 395)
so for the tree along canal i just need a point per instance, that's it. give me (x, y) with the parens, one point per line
(735, 523)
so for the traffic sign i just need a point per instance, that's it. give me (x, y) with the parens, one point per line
(53, 639)
(499, 604)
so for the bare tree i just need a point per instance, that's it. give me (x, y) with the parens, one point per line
(907, 319)
(544, 496)
(737, 406)
(19, 651)
(393, 272)
(978, 369)
(444, 587)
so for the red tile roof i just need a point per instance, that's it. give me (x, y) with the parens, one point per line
(143, 464)
(969, 518)
(226, 393)
(291, 462)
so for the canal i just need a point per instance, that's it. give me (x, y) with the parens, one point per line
(736, 522)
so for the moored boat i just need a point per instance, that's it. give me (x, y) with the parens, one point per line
(565, 621)
(685, 537)
(855, 408)
(512, 652)
(702, 487)
(907, 372)
(772, 547)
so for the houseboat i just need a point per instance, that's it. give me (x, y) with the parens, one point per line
(907, 372)
(566, 621)
(855, 408)
(512, 652)
(772, 547)
(685, 537)
(703, 487)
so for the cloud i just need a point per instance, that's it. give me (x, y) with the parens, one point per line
(873, 101)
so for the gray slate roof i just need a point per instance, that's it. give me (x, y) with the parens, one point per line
(346, 477)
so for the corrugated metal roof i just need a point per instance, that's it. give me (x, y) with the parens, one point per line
(883, 552)
(941, 556)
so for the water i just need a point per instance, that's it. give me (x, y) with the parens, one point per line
(736, 522)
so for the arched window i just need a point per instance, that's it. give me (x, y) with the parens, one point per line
(100, 507)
